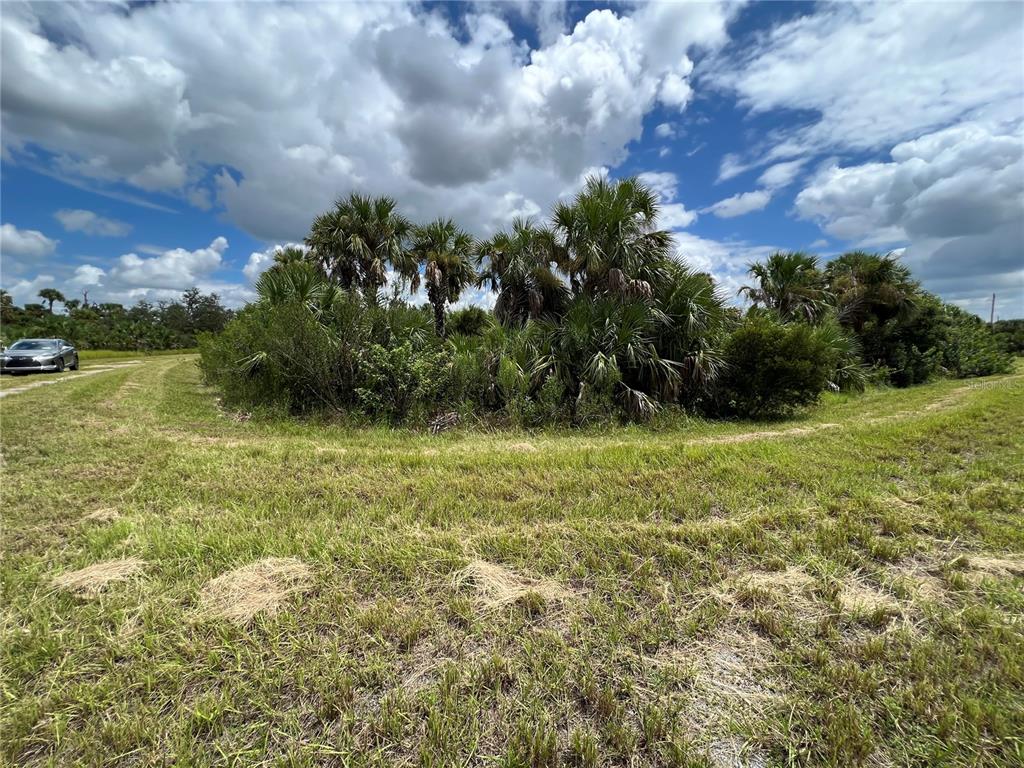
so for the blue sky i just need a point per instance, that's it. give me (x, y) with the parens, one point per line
(149, 148)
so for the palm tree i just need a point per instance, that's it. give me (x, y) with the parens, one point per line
(608, 238)
(299, 282)
(517, 264)
(445, 252)
(50, 295)
(289, 255)
(607, 346)
(355, 242)
(693, 320)
(791, 284)
(870, 286)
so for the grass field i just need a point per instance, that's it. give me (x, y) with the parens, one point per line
(184, 587)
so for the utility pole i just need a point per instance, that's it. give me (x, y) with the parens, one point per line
(992, 314)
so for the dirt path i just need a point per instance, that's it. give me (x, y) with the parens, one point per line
(88, 372)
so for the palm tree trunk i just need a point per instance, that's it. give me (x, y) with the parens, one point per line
(437, 301)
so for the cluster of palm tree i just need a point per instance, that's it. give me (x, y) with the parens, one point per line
(595, 290)
(874, 314)
(856, 286)
(591, 303)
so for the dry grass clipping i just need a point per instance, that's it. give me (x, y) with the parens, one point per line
(731, 683)
(93, 579)
(104, 515)
(496, 586)
(793, 587)
(1000, 567)
(858, 597)
(260, 587)
(523, 447)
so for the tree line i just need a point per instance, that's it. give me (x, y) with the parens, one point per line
(594, 316)
(144, 326)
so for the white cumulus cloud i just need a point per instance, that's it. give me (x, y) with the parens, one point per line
(390, 98)
(740, 204)
(25, 242)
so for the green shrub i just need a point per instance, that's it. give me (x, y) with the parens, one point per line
(774, 368)
(280, 357)
(971, 348)
(398, 380)
(1010, 335)
(471, 321)
(933, 339)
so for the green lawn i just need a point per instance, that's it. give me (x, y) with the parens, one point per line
(842, 589)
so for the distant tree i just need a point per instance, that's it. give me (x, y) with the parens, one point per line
(791, 284)
(50, 295)
(7, 309)
(445, 253)
(34, 311)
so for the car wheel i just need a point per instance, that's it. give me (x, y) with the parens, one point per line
(60, 365)
(74, 365)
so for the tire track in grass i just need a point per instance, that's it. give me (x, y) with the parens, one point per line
(48, 382)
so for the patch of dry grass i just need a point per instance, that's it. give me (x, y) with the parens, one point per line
(260, 587)
(496, 586)
(857, 596)
(93, 579)
(984, 567)
(102, 515)
(746, 437)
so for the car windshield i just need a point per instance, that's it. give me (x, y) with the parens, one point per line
(34, 344)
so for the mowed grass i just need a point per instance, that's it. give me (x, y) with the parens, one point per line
(842, 589)
(88, 358)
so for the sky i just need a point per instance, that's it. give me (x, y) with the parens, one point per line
(151, 147)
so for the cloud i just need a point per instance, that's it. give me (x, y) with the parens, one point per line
(86, 276)
(781, 174)
(30, 243)
(878, 73)
(726, 260)
(930, 67)
(954, 197)
(78, 220)
(389, 98)
(176, 269)
(740, 204)
(665, 131)
(672, 215)
(731, 166)
(963, 180)
(27, 291)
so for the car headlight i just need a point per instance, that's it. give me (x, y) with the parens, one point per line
(43, 358)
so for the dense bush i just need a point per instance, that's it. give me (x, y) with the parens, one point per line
(774, 367)
(471, 321)
(970, 347)
(1010, 335)
(594, 318)
(931, 338)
